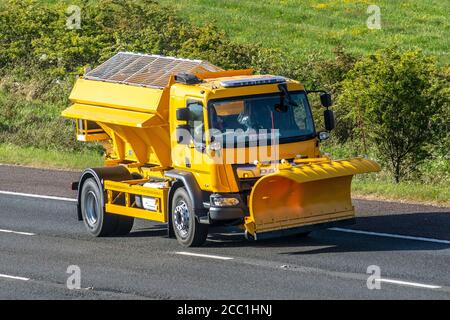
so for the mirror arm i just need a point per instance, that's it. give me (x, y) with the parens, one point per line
(315, 91)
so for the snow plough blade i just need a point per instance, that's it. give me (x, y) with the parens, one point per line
(298, 197)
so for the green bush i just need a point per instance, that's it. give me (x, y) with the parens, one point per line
(393, 100)
(328, 75)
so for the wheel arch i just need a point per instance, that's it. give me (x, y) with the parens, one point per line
(116, 173)
(187, 180)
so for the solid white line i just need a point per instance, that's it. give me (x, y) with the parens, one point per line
(18, 232)
(412, 284)
(29, 195)
(203, 255)
(390, 235)
(13, 277)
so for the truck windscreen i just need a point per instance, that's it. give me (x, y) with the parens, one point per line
(243, 118)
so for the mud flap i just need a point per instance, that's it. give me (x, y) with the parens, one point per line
(304, 195)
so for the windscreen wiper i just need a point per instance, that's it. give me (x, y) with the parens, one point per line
(284, 93)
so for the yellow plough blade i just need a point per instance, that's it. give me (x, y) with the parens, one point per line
(303, 195)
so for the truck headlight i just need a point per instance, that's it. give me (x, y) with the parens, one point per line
(225, 202)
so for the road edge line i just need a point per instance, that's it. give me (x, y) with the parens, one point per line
(391, 235)
(6, 276)
(200, 255)
(39, 196)
(18, 232)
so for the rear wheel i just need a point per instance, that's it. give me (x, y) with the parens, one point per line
(124, 225)
(188, 230)
(97, 221)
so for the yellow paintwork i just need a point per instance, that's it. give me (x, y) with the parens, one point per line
(224, 73)
(304, 194)
(115, 95)
(129, 188)
(138, 121)
(111, 116)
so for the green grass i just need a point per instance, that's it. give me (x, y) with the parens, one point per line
(301, 27)
(407, 191)
(28, 156)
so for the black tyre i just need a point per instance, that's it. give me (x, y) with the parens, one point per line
(124, 225)
(97, 221)
(189, 232)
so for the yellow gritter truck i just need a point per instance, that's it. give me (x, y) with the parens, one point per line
(192, 145)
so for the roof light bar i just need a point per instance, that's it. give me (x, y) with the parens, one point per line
(252, 81)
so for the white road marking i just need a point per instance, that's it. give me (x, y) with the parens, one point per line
(391, 235)
(307, 269)
(412, 284)
(13, 277)
(184, 253)
(18, 232)
(30, 195)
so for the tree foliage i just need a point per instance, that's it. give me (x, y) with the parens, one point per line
(393, 99)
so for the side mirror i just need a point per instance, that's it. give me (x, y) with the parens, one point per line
(325, 100)
(183, 114)
(183, 134)
(328, 116)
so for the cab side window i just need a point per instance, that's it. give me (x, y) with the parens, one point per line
(196, 124)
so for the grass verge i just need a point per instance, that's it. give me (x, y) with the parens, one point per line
(33, 157)
(402, 192)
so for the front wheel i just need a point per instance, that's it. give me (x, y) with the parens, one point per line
(188, 230)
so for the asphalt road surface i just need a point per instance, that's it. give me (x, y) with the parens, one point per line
(40, 239)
